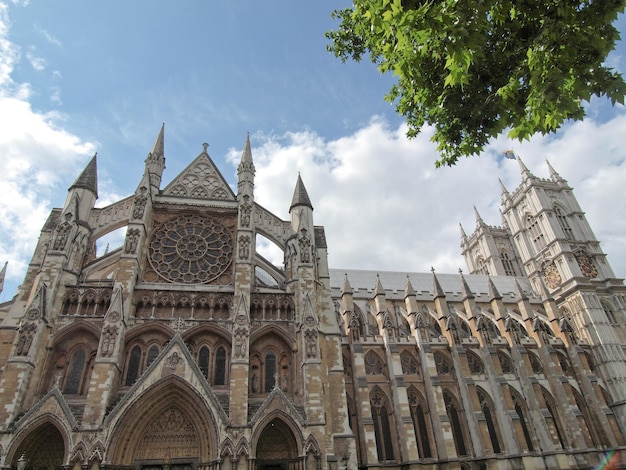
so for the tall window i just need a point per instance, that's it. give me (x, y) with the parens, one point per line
(382, 428)
(203, 361)
(567, 230)
(523, 423)
(419, 425)
(486, 406)
(270, 371)
(133, 365)
(455, 423)
(507, 263)
(75, 373)
(536, 234)
(153, 352)
(551, 418)
(220, 366)
(481, 266)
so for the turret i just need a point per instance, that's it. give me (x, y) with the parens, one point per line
(155, 162)
(301, 209)
(245, 173)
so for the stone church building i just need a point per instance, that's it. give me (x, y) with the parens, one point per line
(185, 349)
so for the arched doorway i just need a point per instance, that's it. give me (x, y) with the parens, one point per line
(168, 427)
(42, 449)
(276, 448)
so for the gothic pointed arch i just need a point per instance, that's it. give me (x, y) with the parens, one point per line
(421, 422)
(169, 411)
(276, 440)
(79, 454)
(384, 425)
(457, 423)
(45, 443)
(490, 419)
(522, 425)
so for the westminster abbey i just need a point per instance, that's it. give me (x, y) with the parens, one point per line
(185, 349)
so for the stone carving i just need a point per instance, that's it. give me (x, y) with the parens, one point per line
(174, 428)
(113, 316)
(63, 233)
(240, 342)
(173, 360)
(310, 339)
(109, 335)
(25, 339)
(140, 203)
(244, 246)
(245, 210)
(191, 249)
(305, 243)
(132, 239)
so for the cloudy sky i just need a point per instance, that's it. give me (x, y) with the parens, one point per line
(81, 77)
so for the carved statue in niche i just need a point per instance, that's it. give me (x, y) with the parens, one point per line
(25, 340)
(310, 338)
(240, 342)
(132, 239)
(244, 247)
(246, 209)
(305, 243)
(255, 383)
(63, 233)
(140, 203)
(108, 340)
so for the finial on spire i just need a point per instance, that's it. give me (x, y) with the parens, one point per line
(553, 173)
(88, 179)
(479, 220)
(503, 189)
(300, 196)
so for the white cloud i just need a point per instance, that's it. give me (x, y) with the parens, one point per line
(36, 62)
(37, 154)
(384, 205)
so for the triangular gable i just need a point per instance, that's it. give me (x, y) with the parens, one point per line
(278, 400)
(52, 402)
(174, 359)
(200, 180)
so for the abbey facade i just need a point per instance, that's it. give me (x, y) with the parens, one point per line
(185, 349)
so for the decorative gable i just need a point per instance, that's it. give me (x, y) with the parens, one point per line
(200, 180)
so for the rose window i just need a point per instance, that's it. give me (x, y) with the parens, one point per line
(191, 250)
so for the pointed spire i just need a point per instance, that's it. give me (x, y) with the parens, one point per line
(408, 287)
(463, 234)
(503, 189)
(465, 288)
(520, 294)
(553, 173)
(158, 149)
(438, 291)
(479, 220)
(493, 290)
(3, 273)
(88, 179)
(246, 164)
(300, 196)
(346, 288)
(378, 288)
(525, 171)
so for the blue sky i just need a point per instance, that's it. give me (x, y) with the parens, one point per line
(78, 77)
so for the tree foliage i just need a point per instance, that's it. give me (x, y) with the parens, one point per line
(472, 69)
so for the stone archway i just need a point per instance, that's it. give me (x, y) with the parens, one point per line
(168, 426)
(42, 449)
(276, 448)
